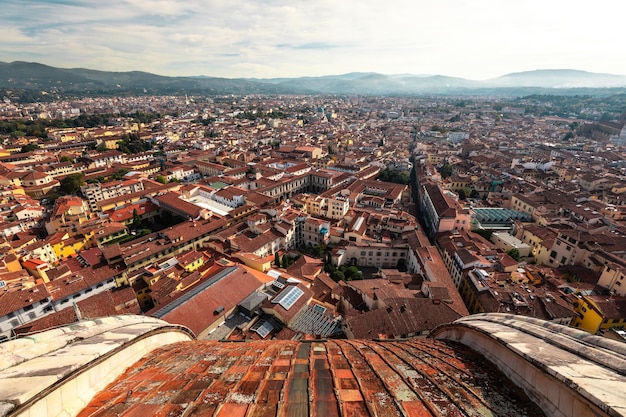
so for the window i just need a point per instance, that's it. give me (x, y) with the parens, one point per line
(28, 307)
(563, 260)
(553, 254)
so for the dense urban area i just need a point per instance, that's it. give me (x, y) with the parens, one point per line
(300, 217)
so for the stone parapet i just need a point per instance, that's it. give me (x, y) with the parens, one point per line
(568, 372)
(57, 372)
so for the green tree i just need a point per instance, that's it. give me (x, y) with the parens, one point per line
(28, 148)
(484, 233)
(462, 194)
(71, 183)
(352, 272)
(161, 179)
(132, 143)
(337, 276)
(277, 260)
(120, 174)
(391, 175)
(136, 219)
(514, 253)
(66, 159)
(445, 170)
(317, 251)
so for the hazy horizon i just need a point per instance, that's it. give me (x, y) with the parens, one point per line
(327, 75)
(477, 40)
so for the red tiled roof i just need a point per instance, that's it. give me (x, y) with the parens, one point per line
(127, 212)
(330, 379)
(189, 257)
(11, 301)
(403, 317)
(197, 313)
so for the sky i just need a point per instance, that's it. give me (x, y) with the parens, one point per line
(474, 39)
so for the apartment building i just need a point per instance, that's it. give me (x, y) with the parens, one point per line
(442, 213)
(315, 232)
(98, 192)
(22, 305)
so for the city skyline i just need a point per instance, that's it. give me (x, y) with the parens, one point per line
(274, 38)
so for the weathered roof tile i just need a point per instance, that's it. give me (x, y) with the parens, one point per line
(291, 378)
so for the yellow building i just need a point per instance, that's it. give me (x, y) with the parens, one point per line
(599, 312)
(65, 246)
(12, 262)
(255, 262)
(110, 143)
(191, 261)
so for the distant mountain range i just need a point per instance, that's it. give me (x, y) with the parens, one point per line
(76, 81)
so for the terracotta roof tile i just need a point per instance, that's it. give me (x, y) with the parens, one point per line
(196, 307)
(289, 378)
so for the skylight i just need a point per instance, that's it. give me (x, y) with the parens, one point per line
(288, 297)
(264, 329)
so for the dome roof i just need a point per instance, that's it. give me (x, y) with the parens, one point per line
(330, 378)
(481, 365)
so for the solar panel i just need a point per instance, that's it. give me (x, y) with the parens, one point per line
(288, 297)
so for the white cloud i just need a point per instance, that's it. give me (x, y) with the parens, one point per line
(271, 38)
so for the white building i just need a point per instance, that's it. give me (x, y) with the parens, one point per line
(99, 192)
(505, 242)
